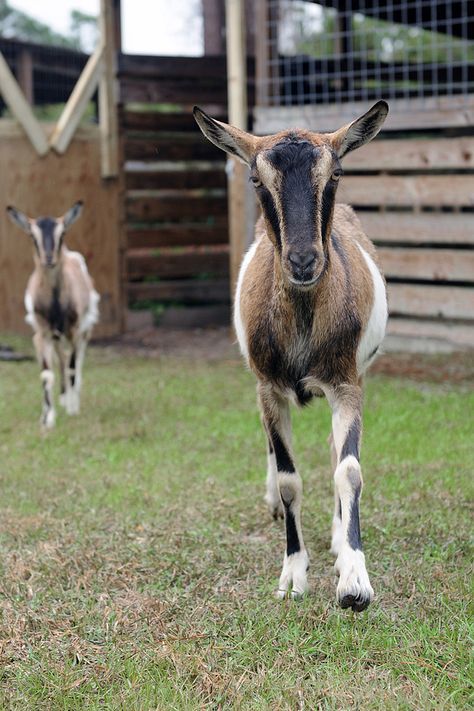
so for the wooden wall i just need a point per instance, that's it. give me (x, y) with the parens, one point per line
(49, 186)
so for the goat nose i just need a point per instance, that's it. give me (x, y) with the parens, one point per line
(302, 260)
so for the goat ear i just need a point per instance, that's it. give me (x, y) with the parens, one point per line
(19, 218)
(360, 131)
(72, 215)
(228, 138)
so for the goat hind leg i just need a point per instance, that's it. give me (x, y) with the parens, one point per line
(45, 354)
(276, 418)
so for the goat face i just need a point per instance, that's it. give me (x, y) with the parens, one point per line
(47, 233)
(295, 174)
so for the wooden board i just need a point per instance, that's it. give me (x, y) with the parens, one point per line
(50, 185)
(185, 148)
(407, 191)
(178, 265)
(447, 302)
(176, 236)
(176, 208)
(138, 90)
(176, 179)
(162, 121)
(418, 228)
(423, 332)
(413, 154)
(430, 264)
(186, 291)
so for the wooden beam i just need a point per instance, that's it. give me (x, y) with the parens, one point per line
(108, 92)
(77, 103)
(20, 108)
(25, 74)
(237, 101)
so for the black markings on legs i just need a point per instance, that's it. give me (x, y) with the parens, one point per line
(283, 459)
(292, 538)
(351, 443)
(72, 366)
(353, 530)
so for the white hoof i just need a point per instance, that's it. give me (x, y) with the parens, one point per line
(274, 505)
(293, 579)
(353, 589)
(72, 402)
(63, 399)
(48, 419)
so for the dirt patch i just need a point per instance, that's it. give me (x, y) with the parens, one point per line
(217, 344)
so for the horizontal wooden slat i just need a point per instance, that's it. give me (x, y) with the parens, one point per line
(447, 302)
(432, 264)
(175, 179)
(421, 227)
(161, 121)
(171, 67)
(196, 147)
(410, 191)
(456, 335)
(173, 208)
(177, 236)
(186, 264)
(169, 91)
(413, 154)
(186, 291)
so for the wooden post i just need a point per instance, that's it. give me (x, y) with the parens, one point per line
(108, 90)
(20, 108)
(25, 74)
(237, 101)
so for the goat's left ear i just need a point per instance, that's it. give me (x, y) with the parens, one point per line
(72, 215)
(360, 131)
(228, 138)
(19, 218)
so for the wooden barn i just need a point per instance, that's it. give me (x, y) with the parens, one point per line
(167, 219)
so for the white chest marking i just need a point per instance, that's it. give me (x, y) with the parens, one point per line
(238, 324)
(375, 329)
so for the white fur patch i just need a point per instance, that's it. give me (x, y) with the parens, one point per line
(91, 316)
(294, 575)
(375, 330)
(30, 310)
(238, 323)
(353, 577)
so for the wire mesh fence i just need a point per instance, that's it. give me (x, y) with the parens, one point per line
(356, 50)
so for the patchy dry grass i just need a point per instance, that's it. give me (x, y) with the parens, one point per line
(138, 562)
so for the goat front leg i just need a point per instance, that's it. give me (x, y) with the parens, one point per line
(276, 420)
(354, 589)
(45, 354)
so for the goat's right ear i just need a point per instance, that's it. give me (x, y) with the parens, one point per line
(72, 214)
(228, 138)
(19, 218)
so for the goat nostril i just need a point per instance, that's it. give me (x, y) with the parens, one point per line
(302, 261)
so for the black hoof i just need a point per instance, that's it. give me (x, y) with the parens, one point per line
(358, 604)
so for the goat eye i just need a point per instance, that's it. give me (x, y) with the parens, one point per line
(336, 175)
(255, 181)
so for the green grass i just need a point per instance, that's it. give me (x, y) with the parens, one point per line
(138, 561)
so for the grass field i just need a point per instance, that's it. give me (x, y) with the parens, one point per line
(138, 560)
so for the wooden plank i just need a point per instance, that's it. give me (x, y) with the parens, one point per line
(20, 108)
(169, 68)
(178, 265)
(447, 302)
(160, 121)
(418, 228)
(456, 335)
(407, 191)
(177, 236)
(432, 264)
(413, 154)
(175, 179)
(108, 93)
(185, 92)
(427, 113)
(172, 208)
(186, 291)
(78, 101)
(159, 148)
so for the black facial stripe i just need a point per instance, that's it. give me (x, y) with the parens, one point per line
(47, 226)
(269, 209)
(353, 531)
(292, 540)
(283, 459)
(351, 443)
(327, 206)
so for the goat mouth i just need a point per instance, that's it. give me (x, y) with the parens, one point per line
(304, 284)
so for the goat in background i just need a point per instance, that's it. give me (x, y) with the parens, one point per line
(310, 314)
(61, 306)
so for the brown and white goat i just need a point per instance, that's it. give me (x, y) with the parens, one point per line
(310, 314)
(61, 306)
